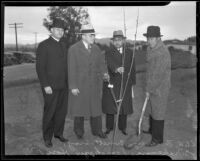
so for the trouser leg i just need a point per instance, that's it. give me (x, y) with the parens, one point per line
(109, 121)
(60, 113)
(79, 125)
(50, 103)
(157, 130)
(96, 125)
(150, 124)
(122, 123)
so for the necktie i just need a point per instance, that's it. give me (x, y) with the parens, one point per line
(89, 48)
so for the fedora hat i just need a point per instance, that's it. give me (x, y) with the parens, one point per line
(118, 33)
(87, 29)
(153, 31)
(58, 23)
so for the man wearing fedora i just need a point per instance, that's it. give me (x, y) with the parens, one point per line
(86, 70)
(158, 76)
(115, 55)
(51, 67)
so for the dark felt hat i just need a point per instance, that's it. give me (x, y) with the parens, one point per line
(118, 33)
(153, 31)
(58, 23)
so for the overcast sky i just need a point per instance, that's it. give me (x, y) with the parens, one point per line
(176, 20)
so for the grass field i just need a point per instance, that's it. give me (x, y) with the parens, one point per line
(23, 107)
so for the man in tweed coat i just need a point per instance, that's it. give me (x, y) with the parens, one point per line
(158, 81)
(51, 67)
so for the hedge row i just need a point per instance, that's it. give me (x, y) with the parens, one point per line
(18, 58)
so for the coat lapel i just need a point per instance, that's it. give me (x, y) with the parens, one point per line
(83, 49)
(116, 55)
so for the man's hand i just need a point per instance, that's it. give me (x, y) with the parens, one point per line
(120, 70)
(147, 95)
(106, 77)
(48, 90)
(75, 92)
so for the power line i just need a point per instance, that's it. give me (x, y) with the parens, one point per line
(16, 26)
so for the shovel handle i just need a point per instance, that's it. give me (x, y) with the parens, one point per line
(142, 114)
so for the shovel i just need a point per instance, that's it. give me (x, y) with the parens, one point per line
(133, 139)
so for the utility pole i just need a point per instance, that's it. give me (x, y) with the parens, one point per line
(35, 40)
(16, 26)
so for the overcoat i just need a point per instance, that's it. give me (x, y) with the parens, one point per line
(85, 72)
(51, 64)
(114, 60)
(158, 79)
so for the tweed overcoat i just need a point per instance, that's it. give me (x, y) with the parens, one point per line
(158, 79)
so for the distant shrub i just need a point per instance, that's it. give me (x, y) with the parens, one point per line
(17, 58)
(10, 59)
(182, 59)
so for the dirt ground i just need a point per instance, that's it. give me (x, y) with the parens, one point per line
(23, 107)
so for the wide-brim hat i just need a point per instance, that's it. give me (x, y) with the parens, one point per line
(153, 31)
(87, 29)
(118, 33)
(58, 23)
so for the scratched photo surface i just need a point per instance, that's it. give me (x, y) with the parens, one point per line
(23, 99)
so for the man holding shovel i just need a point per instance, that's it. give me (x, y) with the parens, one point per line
(158, 76)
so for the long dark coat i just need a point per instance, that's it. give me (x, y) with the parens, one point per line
(114, 60)
(85, 72)
(158, 79)
(51, 67)
(51, 64)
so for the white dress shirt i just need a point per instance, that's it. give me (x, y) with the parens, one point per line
(120, 50)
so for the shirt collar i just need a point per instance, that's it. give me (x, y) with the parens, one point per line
(85, 44)
(55, 38)
(120, 50)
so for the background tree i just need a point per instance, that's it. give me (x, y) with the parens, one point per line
(191, 39)
(74, 17)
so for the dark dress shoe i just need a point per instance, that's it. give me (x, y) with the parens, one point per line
(124, 132)
(48, 144)
(101, 135)
(61, 138)
(153, 143)
(108, 131)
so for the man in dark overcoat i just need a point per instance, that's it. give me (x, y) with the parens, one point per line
(86, 70)
(158, 82)
(119, 59)
(51, 67)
